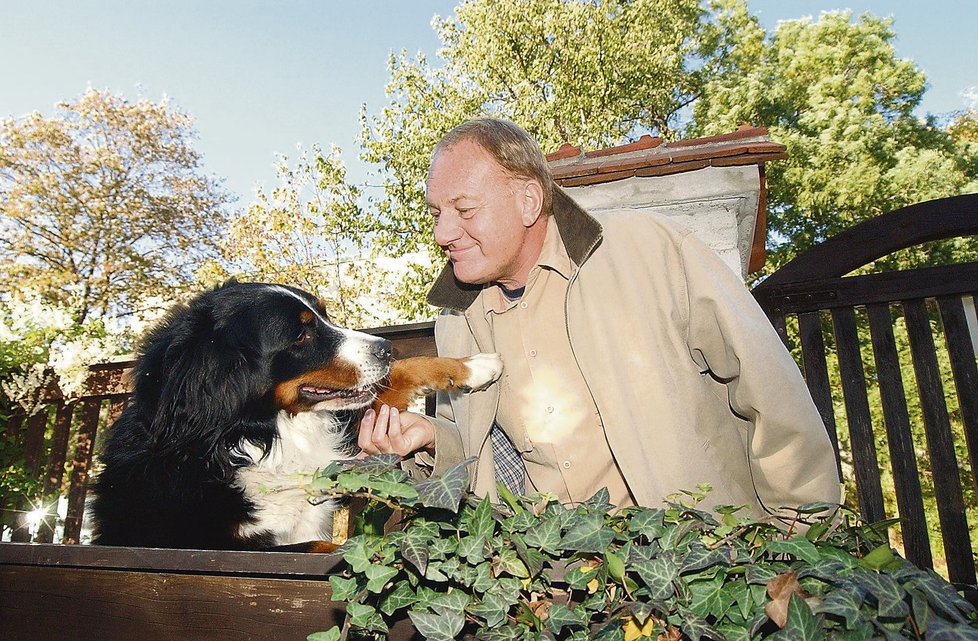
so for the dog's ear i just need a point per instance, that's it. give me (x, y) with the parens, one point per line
(196, 392)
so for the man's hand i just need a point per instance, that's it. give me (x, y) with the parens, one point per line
(392, 431)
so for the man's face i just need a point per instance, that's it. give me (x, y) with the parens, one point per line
(483, 217)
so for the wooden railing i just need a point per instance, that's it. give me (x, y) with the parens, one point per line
(916, 318)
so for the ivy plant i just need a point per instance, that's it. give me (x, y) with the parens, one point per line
(531, 569)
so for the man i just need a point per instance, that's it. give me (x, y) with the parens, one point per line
(634, 359)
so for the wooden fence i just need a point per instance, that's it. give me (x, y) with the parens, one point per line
(870, 324)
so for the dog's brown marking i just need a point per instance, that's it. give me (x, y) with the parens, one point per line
(338, 376)
(306, 317)
(413, 378)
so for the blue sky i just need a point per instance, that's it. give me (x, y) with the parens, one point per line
(261, 77)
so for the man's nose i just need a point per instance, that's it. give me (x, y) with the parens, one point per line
(447, 229)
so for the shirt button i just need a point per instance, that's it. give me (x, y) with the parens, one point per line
(550, 409)
(533, 352)
(567, 465)
(523, 305)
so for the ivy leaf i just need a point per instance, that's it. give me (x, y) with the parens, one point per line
(842, 603)
(802, 625)
(366, 617)
(393, 489)
(378, 463)
(560, 616)
(600, 502)
(333, 634)
(700, 557)
(472, 549)
(482, 523)
(888, 593)
(696, 628)
(942, 596)
(445, 491)
(454, 601)
(343, 589)
(798, 547)
(545, 535)
(658, 574)
(414, 549)
(943, 631)
(492, 609)
(438, 627)
(359, 555)
(378, 576)
(509, 562)
(709, 598)
(647, 522)
(589, 534)
(402, 596)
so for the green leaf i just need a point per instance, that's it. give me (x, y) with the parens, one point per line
(378, 463)
(472, 549)
(438, 627)
(588, 534)
(509, 498)
(492, 609)
(378, 576)
(647, 522)
(710, 598)
(802, 625)
(559, 616)
(944, 631)
(366, 617)
(445, 491)
(401, 596)
(545, 535)
(700, 557)
(696, 628)
(888, 593)
(842, 603)
(600, 502)
(454, 601)
(343, 589)
(942, 596)
(393, 489)
(359, 555)
(414, 549)
(798, 547)
(616, 566)
(482, 523)
(659, 574)
(878, 557)
(509, 562)
(333, 634)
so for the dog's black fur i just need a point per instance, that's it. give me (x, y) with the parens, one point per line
(209, 391)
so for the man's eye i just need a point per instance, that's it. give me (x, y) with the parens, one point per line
(466, 212)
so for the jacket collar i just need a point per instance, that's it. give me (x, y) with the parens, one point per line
(579, 230)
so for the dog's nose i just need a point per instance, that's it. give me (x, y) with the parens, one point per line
(382, 349)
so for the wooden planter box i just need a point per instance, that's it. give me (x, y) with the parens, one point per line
(80, 592)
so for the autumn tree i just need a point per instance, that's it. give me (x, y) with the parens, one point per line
(104, 202)
(836, 94)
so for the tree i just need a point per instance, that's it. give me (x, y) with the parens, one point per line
(104, 202)
(588, 73)
(835, 93)
(310, 232)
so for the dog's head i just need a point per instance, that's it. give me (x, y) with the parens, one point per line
(219, 369)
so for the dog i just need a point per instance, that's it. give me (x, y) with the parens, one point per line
(236, 396)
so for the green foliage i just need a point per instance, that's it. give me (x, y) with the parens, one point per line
(835, 93)
(534, 569)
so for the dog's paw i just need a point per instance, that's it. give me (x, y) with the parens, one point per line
(484, 369)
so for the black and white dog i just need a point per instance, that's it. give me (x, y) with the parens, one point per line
(237, 396)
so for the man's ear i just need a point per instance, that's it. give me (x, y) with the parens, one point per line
(532, 199)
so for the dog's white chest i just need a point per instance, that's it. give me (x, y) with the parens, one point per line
(277, 484)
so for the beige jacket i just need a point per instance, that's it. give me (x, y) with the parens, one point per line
(691, 381)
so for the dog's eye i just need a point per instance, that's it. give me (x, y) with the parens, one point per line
(304, 336)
